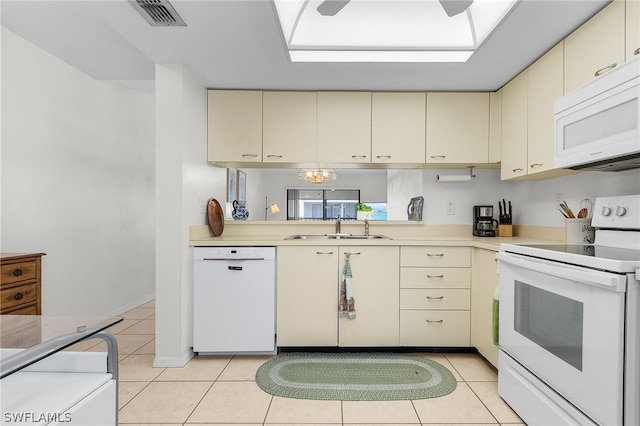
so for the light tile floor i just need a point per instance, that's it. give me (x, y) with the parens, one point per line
(221, 390)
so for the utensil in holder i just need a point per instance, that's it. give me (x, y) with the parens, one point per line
(579, 231)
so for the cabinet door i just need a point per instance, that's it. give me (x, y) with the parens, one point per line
(307, 296)
(595, 47)
(483, 285)
(495, 127)
(344, 127)
(457, 128)
(234, 126)
(376, 277)
(633, 29)
(545, 85)
(289, 127)
(514, 128)
(398, 128)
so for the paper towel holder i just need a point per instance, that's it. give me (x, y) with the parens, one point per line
(457, 178)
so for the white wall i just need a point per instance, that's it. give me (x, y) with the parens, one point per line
(183, 179)
(77, 182)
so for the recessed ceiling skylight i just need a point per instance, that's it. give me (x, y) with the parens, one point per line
(388, 30)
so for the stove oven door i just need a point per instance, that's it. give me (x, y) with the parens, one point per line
(565, 324)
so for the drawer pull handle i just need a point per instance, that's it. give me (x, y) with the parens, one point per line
(534, 165)
(17, 272)
(324, 252)
(383, 157)
(435, 276)
(605, 69)
(274, 156)
(435, 297)
(358, 157)
(348, 253)
(249, 155)
(637, 51)
(18, 296)
(435, 254)
(519, 169)
(438, 157)
(435, 321)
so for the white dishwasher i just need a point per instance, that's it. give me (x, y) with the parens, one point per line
(234, 296)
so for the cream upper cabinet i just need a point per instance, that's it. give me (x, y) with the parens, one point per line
(398, 127)
(289, 127)
(344, 127)
(495, 127)
(457, 128)
(483, 285)
(633, 29)
(545, 85)
(514, 128)
(307, 296)
(596, 47)
(376, 277)
(234, 126)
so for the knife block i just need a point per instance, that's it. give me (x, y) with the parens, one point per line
(505, 230)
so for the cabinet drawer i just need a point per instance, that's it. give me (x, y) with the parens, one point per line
(435, 277)
(436, 256)
(434, 299)
(17, 272)
(435, 328)
(16, 296)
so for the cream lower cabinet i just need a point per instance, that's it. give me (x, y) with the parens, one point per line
(307, 296)
(484, 282)
(435, 296)
(457, 128)
(308, 280)
(375, 290)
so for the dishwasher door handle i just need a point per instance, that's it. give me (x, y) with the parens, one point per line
(234, 268)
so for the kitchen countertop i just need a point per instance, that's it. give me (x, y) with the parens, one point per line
(275, 234)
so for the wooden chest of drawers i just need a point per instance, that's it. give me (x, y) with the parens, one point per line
(20, 283)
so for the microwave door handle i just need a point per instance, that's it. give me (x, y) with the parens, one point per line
(596, 278)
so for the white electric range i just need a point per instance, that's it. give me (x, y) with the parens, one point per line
(570, 324)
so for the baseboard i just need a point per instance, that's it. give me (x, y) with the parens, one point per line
(174, 362)
(121, 310)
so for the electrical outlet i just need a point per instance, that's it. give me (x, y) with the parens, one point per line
(203, 206)
(559, 198)
(451, 207)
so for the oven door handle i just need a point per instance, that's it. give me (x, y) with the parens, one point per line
(606, 280)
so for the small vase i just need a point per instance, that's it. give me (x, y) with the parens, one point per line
(240, 211)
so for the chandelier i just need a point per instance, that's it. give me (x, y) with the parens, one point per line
(317, 176)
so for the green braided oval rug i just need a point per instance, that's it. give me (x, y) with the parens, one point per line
(354, 377)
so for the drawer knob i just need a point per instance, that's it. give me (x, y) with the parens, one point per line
(17, 272)
(18, 296)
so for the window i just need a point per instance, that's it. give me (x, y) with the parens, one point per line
(322, 204)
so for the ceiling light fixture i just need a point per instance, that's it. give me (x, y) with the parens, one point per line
(317, 176)
(388, 30)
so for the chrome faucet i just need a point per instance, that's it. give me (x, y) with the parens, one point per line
(366, 227)
(338, 225)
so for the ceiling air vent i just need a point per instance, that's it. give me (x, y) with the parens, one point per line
(158, 13)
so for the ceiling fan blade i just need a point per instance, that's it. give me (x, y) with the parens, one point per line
(331, 7)
(455, 7)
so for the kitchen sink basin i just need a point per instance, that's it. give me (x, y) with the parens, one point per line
(337, 237)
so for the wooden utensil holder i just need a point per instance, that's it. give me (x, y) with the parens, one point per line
(505, 230)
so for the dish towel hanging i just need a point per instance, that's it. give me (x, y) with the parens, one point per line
(496, 316)
(347, 304)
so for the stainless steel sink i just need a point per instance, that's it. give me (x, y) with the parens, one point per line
(337, 237)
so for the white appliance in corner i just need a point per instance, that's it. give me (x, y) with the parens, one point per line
(234, 300)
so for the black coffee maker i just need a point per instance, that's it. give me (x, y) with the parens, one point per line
(484, 225)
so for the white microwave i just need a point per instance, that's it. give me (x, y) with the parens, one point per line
(597, 126)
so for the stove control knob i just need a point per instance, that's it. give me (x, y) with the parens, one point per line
(606, 211)
(621, 211)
